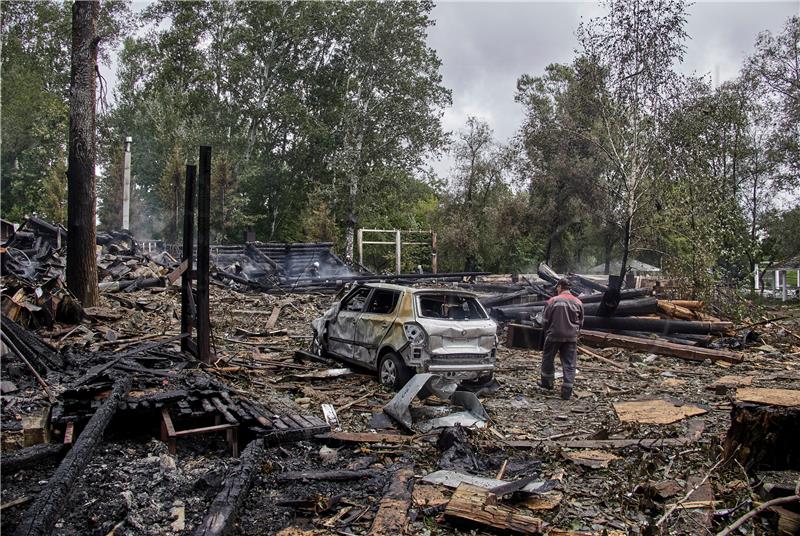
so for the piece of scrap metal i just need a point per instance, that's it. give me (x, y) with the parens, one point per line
(398, 407)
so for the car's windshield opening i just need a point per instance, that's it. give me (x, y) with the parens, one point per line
(450, 307)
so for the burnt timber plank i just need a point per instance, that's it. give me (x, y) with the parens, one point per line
(30, 456)
(392, 515)
(478, 505)
(221, 516)
(690, 353)
(363, 437)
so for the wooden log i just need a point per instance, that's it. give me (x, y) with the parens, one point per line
(478, 505)
(42, 515)
(690, 353)
(627, 294)
(639, 306)
(656, 325)
(675, 311)
(765, 435)
(221, 515)
(391, 518)
(12, 462)
(688, 304)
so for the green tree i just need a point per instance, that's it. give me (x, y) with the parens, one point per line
(560, 166)
(637, 45)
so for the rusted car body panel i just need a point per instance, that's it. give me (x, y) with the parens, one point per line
(367, 324)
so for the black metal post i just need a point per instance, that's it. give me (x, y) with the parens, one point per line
(187, 300)
(203, 264)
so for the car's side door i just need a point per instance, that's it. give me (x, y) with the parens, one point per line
(342, 327)
(373, 324)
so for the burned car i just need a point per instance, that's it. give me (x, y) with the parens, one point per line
(399, 331)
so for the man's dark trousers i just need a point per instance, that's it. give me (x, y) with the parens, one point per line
(568, 352)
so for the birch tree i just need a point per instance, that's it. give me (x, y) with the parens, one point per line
(637, 43)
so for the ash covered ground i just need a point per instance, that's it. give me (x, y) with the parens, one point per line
(133, 486)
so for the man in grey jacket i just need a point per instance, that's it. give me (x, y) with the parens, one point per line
(562, 320)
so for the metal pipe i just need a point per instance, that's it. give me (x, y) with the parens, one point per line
(126, 185)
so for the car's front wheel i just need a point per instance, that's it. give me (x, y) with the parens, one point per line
(392, 372)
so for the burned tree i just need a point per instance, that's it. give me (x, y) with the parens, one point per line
(81, 261)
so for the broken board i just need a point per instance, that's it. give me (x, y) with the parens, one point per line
(656, 411)
(594, 459)
(478, 505)
(772, 397)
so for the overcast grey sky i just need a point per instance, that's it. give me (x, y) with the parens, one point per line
(486, 46)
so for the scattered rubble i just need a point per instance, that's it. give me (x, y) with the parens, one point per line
(266, 439)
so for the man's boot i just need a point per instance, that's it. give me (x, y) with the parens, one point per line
(566, 392)
(547, 383)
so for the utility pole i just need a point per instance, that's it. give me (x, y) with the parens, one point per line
(126, 186)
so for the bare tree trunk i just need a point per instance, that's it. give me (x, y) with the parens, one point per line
(81, 260)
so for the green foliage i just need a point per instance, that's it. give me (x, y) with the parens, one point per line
(322, 116)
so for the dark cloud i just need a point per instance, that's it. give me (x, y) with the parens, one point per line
(486, 46)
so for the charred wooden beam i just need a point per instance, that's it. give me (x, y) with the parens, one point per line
(477, 505)
(221, 516)
(609, 304)
(391, 518)
(41, 355)
(524, 336)
(625, 294)
(12, 462)
(187, 301)
(588, 283)
(633, 307)
(203, 252)
(656, 325)
(690, 353)
(42, 515)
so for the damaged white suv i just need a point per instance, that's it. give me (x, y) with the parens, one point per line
(399, 331)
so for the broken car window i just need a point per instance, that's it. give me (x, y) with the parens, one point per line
(383, 301)
(450, 307)
(356, 302)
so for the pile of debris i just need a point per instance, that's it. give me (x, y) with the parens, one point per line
(626, 318)
(149, 386)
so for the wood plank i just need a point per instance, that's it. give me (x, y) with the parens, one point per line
(205, 430)
(477, 505)
(363, 437)
(279, 424)
(274, 315)
(175, 274)
(290, 423)
(36, 455)
(691, 353)
(167, 421)
(392, 516)
(69, 433)
(771, 397)
(316, 421)
(15, 502)
(301, 421)
(224, 410)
